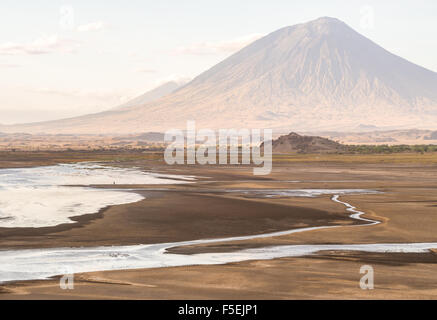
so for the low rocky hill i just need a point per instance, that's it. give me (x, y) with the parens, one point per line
(295, 143)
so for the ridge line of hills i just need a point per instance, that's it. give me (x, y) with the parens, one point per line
(311, 77)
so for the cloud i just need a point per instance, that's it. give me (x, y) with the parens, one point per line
(8, 65)
(43, 45)
(93, 26)
(180, 79)
(95, 94)
(202, 48)
(145, 70)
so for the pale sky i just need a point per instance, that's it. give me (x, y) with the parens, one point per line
(67, 58)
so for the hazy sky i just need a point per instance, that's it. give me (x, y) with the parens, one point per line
(65, 58)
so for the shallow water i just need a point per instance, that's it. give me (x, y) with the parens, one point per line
(44, 263)
(46, 196)
(51, 195)
(311, 193)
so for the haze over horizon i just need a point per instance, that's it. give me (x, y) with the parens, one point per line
(60, 61)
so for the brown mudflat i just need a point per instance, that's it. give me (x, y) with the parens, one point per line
(407, 210)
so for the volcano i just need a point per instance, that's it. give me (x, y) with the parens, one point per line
(320, 75)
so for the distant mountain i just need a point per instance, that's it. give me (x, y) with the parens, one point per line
(295, 143)
(432, 136)
(320, 75)
(391, 137)
(152, 95)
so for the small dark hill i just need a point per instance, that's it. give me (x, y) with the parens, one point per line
(295, 143)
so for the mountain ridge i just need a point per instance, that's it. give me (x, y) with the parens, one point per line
(153, 94)
(319, 75)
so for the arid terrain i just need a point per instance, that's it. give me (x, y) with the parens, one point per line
(389, 137)
(406, 208)
(303, 134)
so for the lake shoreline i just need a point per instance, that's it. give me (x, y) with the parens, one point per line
(406, 187)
